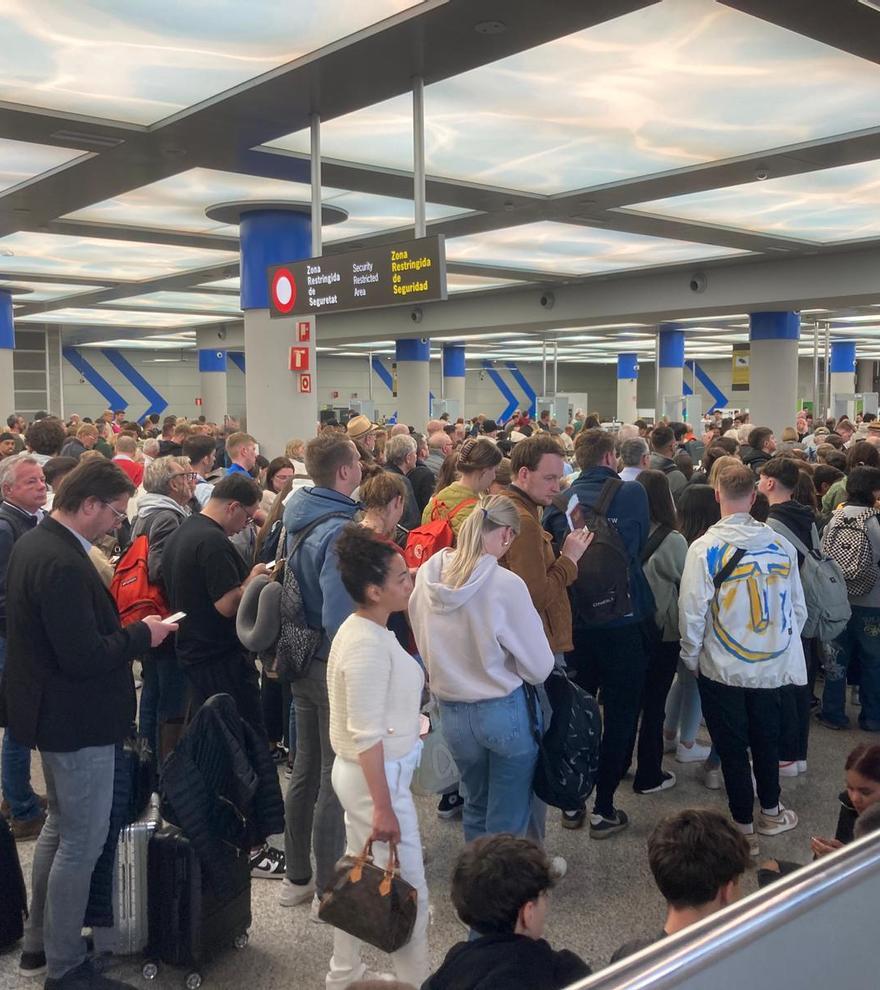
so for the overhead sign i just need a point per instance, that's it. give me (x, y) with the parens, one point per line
(407, 273)
(741, 355)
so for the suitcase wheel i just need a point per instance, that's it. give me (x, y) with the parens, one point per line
(241, 940)
(150, 971)
(193, 981)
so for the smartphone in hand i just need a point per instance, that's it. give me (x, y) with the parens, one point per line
(575, 514)
(171, 619)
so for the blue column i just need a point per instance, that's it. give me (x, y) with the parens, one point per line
(413, 357)
(212, 381)
(843, 357)
(454, 378)
(269, 237)
(627, 386)
(773, 369)
(7, 347)
(670, 366)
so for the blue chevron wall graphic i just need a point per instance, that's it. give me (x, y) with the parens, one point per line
(501, 385)
(521, 380)
(237, 358)
(384, 374)
(94, 378)
(157, 403)
(719, 398)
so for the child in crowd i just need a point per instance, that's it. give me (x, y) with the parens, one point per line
(698, 858)
(500, 888)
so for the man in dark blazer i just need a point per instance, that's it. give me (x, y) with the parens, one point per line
(67, 690)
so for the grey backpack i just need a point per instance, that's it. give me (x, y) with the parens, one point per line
(298, 642)
(825, 587)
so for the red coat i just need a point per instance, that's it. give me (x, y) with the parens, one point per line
(133, 469)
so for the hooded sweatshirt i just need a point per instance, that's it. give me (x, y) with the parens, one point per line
(327, 604)
(479, 641)
(158, 516)
(798, 519)
(748, 634)
(507, 962)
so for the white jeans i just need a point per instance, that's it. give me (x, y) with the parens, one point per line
(411, 962)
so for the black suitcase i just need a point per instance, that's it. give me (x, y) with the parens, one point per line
(13, 896)
(188, 923)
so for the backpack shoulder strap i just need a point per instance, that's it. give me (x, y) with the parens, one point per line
(606, 496)
(799, 545)
(728, 568)
(461, 505)
(654, 541)
(307, 530)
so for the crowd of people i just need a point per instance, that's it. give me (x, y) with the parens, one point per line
(679, 576)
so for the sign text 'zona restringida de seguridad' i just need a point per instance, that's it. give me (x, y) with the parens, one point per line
(388, 275)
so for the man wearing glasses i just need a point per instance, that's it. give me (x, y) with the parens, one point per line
(67, 690)
(205, 576)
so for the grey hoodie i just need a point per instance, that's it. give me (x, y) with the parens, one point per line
(158, 516)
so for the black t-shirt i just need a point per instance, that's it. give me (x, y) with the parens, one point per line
(199, 566)
(635, 945)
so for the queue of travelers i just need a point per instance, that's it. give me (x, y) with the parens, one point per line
(724, 578)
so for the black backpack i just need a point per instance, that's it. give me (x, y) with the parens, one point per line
(13, 903)
(568, 753)
(600, 592)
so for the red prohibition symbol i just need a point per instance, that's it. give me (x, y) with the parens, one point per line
(283, 290)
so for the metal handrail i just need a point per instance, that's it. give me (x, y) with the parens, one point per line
(662, 965)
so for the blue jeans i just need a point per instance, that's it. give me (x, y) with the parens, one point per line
(164, 692)
(859, 641)
(15, 770)
(495, 750)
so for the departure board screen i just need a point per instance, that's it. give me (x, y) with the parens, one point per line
(407, 273)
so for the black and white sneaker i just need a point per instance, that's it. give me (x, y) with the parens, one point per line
(573, 819)
(268, 864)
(601, 826)
(450, 806)
(32, 964)
(667, 780)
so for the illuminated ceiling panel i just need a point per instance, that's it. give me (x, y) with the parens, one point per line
(141, 61)
(198, 301)
(117, 318)
(180, 202)
(470, 283)
(20, 161)
(61, 254)
(838, 204)
(559, 247)
(673, 85)
(44, 291)
(143, 344)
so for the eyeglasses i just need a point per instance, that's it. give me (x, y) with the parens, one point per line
(119, 515)
(188, 475)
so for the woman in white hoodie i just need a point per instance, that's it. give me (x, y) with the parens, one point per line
(481, 638)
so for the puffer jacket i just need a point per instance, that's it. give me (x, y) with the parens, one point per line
(221, 787)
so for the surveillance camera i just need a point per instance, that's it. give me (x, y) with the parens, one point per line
(221, 333)
(761, 174)
(547, 300)
(698, 282)
(416, 315)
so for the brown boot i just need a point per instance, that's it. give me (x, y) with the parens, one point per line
(6, 810)
(29, 828)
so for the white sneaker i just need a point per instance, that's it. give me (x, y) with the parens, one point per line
(293, 894)
(313, 911)
(785, 821)
(669, 745)
(694, 753)
(713, 778)
(788, 768)
(754, 845)
(802, 766)
(558, 868)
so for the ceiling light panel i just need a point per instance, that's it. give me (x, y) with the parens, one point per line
(837, 204)
(20, 160)
(575, 250)
(62, 254)
(117, 318)
(179, 203)
(676, 84)
(200, 302)
(471, 283)
(140, 61)
(142, 344)
(43, 291)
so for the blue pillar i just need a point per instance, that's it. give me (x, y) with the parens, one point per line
(773, 369)
(212, 379)
(842, 365)
(269, 237)
(454, 378)
(7, 347)
(670, 366)
(627, 385)
(413, 357)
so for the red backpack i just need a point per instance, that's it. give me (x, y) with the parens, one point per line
(135, 595)
(424, 541)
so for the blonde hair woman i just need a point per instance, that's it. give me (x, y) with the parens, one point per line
(481, 638)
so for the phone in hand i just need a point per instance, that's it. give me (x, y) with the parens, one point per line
(171, 619)
(575, 514)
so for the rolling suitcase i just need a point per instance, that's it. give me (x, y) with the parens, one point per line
(189, 924)
(129, 933)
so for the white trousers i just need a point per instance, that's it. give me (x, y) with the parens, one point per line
(411, 962)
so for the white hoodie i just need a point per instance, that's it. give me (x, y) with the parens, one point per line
(749, 634)
(481, 640)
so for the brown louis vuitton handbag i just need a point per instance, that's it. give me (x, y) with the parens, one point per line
(375, 905)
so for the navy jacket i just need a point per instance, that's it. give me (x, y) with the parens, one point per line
(628, 512)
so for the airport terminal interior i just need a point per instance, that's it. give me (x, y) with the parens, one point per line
(280, 216)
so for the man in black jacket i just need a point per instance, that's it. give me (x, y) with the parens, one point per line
(68, 690)
(23, 489)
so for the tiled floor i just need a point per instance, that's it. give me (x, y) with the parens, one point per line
(607, 897)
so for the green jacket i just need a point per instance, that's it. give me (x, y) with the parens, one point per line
(663, 570)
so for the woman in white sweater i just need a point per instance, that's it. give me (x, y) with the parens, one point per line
(375, 690)
(480, 636)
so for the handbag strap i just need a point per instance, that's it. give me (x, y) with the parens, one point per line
(728, 568)
(366, 856)
(532, 700)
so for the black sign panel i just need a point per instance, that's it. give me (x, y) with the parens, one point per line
(407, 273)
